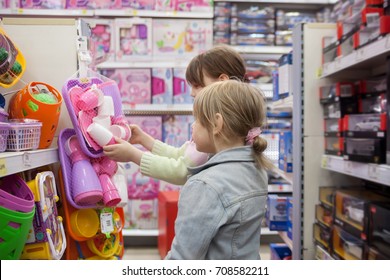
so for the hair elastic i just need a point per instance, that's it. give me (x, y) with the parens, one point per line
(252, 134)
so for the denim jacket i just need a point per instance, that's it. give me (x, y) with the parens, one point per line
(221, 208)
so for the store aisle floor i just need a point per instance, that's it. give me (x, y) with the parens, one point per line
(151, 253)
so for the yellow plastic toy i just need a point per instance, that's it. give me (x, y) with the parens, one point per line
(12, 62)
(46, 239)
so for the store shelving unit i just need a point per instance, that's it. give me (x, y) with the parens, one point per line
(14, 162)
(308, 145)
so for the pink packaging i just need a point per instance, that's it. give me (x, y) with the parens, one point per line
(133, 39)
(102, 39)
(162, 86)
(134, 84)
(152, 125)
(139, 5)
(181, 37)
(77, 4)
(181, 89)
(42, 4)
(105, 4)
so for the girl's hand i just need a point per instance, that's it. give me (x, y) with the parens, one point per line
(123, 151)
(138, 136)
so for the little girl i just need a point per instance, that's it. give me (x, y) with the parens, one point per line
(166, 162)
(222, 204)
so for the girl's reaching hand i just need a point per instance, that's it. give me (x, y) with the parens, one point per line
(138, 136)
(123, 151)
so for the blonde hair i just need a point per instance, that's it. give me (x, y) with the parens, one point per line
(219, 60)
(242, 108)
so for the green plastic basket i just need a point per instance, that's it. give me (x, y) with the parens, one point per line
(14, 229)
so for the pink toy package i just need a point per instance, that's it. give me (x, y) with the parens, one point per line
(176, 129)
(134, 84)
(4, 4)
(152, 125)
(105, 4)
(102, 41)
(181, 89)
(133, 39)
(139, 4)
(162, 86)
(77, 4)
(42, 4)
(193, 5)
(181, 37)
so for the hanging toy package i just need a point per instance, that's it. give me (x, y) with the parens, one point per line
(12, 63)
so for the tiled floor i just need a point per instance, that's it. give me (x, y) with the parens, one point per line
(151, 253)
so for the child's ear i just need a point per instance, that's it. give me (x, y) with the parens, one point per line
(218, 124)
(223, 77)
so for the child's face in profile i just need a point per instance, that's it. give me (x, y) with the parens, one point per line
(207, 81)
(202, 138)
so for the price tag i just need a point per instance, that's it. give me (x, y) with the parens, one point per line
(324, 162)
(373, 172)
(19, 11)
(84, 12)
(3, 167)
(106, 222)
(360, 54)
(348, 167)
(26, 159)
(135, 12)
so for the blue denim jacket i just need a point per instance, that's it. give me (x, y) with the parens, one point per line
(221, 208)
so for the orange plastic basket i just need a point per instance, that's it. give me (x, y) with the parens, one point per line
(24, 105)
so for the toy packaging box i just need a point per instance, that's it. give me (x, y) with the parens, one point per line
(38, 4)
(280, 251)
(134, 84)
(162, 86)
(141, 210)
(285, 151)
(177, 129)
(276, 215)
(102, 39)
(133, 39)
(152, 125)
(379, 228)
(139, 4)
(181, 89)
(181, 37)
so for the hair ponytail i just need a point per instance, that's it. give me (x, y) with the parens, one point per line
(259, 145)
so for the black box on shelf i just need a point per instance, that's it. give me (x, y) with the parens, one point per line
(329, 49)
(332, 93)
(374, 254)
(346, 246)
(365, 125)
(379, 227)
(372, 103)
(365, 149)
(323, 236)
(340, 108)
(388, 109)
(352, 210)
(334, 145)
(333, 127)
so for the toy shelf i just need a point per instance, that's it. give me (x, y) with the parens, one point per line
(107, 13)
(308, 2)
(140, 232)
(48, 12)
(14, 162)
(157, 109)
(262, 49)
(280, 188)
(155, 14)
(372, 54)
(173, 63)
(379, 173)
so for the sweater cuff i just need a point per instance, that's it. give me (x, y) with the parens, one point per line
(158, 147)
(146, 162)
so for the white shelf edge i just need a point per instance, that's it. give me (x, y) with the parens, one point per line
(157, 109)
(308, 2)
(14, 162)
(263, 49)
(154, 14)
(286, 239)
(374, 49)
(379, 173)
(174, 63)
(140, 232)
(267, 231)
(48, 12)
